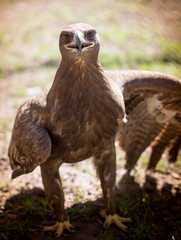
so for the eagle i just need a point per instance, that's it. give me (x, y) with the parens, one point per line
(154, 117)
(80, 117)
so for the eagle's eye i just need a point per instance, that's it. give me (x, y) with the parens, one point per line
(67, 37)
(90, 35)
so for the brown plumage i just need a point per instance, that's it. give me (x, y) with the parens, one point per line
(169, 132)
(148, 110)
(79, 117)
(174, 148)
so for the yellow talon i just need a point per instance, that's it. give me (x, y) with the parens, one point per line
(59, 227)
(117, 220)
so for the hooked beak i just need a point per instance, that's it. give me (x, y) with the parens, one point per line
(79, 43)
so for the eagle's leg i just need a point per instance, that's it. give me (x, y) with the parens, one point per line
(173, 149)
(53, 188)
(105, 163)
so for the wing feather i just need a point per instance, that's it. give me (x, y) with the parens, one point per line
(135, 81)
(30, 143)
(151, 99)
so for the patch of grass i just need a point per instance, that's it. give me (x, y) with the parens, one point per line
(111, 60)
(141, 229)
(126, 207)
(159, 199)
(177, 229)
(161, 165)
(81, 210)
(35, 206)
(46, 52)
(106, 16)
(144, 159)
(43, 78)
(79, 195)
(128, 37)
(5, 185)
(120, 162)
(13, 63)
(7, 1)
(139, 211)
(8, 226)
(178, 162)
(19, 89)
(2, 72)
(28, 205)
(20, 67)
(107, 235)
(129, 42)
(169, 67)
(170, 51)
(135, 47)
(3, 122)
(43, 205)
(65, 12)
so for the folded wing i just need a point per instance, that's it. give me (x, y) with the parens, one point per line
(152, 99)
(30, 144)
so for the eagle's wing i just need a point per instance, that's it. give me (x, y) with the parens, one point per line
(151, 100)
(157, 87)
(30, 143)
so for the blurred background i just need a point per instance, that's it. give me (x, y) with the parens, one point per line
(135, 34)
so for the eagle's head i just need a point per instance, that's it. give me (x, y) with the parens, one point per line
(79, 41)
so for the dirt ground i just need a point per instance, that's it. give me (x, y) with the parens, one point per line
(152, 200)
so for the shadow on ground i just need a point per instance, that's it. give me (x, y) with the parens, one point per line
(155, 214)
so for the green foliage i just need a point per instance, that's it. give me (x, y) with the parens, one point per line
(170, 51)
(132, 45)
(142, 229)
(81, 210)
(5, 185)
(28, 205)
(161, 166)
(43, 205)
(21, 90)
(7, 1)
(126, 206)
(178, 163)
(35, 206)
(79, 195)
(6, 227)
(111, 61)
(3, 122)
(107, 235)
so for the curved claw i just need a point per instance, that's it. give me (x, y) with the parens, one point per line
(59, 227)
(117, 220)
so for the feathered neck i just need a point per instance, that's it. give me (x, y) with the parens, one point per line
(79, 80)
